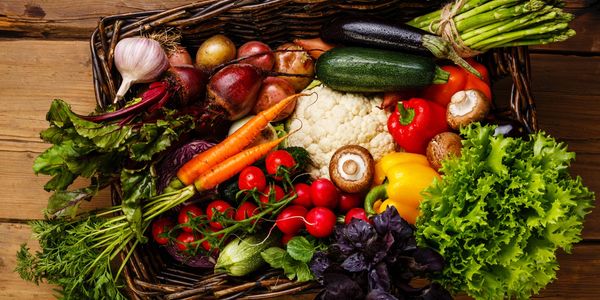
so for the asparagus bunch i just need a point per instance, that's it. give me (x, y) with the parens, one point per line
(486, 24)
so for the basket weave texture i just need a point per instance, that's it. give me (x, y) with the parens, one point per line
(150, 272)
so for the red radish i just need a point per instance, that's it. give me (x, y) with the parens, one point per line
(272, 91)
(179, 57)
(294, 62)
(253, 48)
(186, 214)
(291, 219)
(356, 213)
(349, 201)
(160, 228)
(245, 211)
(218, 207)
(302, 191)
(324, 193)
(320, 222)
(235, 89)
(315, 47)
(272, 191)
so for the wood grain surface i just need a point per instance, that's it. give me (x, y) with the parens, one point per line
(44, 54)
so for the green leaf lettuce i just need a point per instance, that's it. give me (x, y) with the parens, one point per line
(501, 212)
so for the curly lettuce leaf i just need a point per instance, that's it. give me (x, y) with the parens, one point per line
(501, 212)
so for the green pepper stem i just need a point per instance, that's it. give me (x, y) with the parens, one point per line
(377, 193)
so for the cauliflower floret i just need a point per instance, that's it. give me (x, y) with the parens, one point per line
(332, 120)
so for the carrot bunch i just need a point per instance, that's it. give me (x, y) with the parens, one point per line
(224, 160)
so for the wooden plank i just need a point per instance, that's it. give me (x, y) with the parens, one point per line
(33, 74)
(577, 276)
(62, 19)
(11, 285)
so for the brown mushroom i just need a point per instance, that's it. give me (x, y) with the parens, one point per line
(352, 168)
(466, 107)
(443, 146)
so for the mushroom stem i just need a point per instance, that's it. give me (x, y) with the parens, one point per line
(350, 167)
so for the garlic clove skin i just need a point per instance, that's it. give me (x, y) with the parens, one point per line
(139, 60)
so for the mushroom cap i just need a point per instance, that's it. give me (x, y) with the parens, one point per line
(466, 107)
(352, 168)
(441, 147)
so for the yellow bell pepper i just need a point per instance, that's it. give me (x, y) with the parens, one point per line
(408, 174)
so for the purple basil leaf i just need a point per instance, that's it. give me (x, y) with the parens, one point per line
(390, 221)
(380, 295)
(427, 260)
(379, 277)
(355, 263)
(319, 264)
(338, 286)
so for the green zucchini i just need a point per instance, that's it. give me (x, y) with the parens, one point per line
(356, 69)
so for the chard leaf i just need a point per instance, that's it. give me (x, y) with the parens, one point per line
(136, 186)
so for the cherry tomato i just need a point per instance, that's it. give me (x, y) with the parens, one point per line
(221, 207)
(286, 238)
(273, 189)
(349, 201)
(160, 229)
(185, 213)
(356, 213)
(320, 222)
(302, 191)
(324, 193)
(291, 219)
(245, 211)
(208, 246)
(184, 241)
(279, 158)
(252, 177)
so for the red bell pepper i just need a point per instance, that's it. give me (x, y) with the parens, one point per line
(415, 122)
(459, 80)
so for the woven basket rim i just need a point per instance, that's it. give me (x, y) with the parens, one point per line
(142, 274)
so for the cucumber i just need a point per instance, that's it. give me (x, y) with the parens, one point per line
(356, 69)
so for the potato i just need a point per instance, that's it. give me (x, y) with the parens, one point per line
(214, 51)
(273, 90)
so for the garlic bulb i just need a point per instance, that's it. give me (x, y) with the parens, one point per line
(138, 59)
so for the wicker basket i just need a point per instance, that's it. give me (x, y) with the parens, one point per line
(151, 273)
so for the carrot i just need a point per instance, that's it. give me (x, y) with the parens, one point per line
(232, 144)
(234, 164)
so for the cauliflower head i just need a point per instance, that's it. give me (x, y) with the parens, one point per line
(331, 119)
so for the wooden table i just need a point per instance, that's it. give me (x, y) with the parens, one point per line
(44, 54)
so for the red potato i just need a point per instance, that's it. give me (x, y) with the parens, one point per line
(253, 48)
(272, 91)
(294, 62)
(180, 57)
(235, 89)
